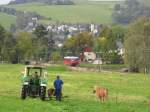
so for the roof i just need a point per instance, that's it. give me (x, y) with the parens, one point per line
(71, 57)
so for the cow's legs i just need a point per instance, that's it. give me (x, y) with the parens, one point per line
(101, 99)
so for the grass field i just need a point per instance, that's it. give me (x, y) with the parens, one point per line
(6, 20)
(108, 67)
(80, 13)
(131, 90)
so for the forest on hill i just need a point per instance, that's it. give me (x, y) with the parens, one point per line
(55, 2)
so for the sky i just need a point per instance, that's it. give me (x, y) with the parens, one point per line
(4, 1)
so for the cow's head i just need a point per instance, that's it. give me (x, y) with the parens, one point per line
(94, 90)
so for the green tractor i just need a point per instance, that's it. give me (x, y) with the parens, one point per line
(34, 82)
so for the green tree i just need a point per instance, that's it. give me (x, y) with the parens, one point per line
(145, 2)
(137, 45)
(130, 10)
(41, 43)
(24, 45)
(2, 36)
(55, 56)
(9, 48)
(70, 45)
(40, 31)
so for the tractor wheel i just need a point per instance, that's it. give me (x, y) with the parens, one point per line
(24, 92)
(42, 93)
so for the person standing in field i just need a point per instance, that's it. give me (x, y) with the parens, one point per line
(58, 88)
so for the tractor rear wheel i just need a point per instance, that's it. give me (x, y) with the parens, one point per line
(42, 93)
(24, 92)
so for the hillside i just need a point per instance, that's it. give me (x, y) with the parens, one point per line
(100, 13)
(6, 20)
(80, 13)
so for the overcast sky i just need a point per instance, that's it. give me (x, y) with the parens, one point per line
(4, 1)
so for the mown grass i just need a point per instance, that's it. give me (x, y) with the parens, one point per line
(106, 67)
(6, 20)
(80, 13)
(130, 90)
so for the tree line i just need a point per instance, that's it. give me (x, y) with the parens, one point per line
(40, 45)
(14, 12)
(129, 10)
(50, 2)
(24, 46)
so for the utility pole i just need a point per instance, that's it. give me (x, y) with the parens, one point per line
(146, 59)
(99, 59)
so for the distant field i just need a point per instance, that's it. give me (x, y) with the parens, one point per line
(95, 1)
(6, 20)
(96, 13)
(127, 92)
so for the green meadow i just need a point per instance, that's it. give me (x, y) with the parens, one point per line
(127, 92)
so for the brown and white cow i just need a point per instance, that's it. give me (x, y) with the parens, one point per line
(101, 93)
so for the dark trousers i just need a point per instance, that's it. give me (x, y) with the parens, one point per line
(58, 94)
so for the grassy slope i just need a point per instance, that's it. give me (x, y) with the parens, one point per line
(98, 13)
(132, 91)
(6, 20)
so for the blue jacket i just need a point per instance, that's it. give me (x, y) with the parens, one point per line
(58, 84)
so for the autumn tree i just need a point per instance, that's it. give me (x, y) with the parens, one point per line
(76, 43)
(107, 43)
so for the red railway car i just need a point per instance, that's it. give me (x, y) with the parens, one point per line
(71, 60)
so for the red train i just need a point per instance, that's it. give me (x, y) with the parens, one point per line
(71, 60)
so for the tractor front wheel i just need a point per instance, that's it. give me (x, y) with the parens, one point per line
(24, 92)
(42, 93)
